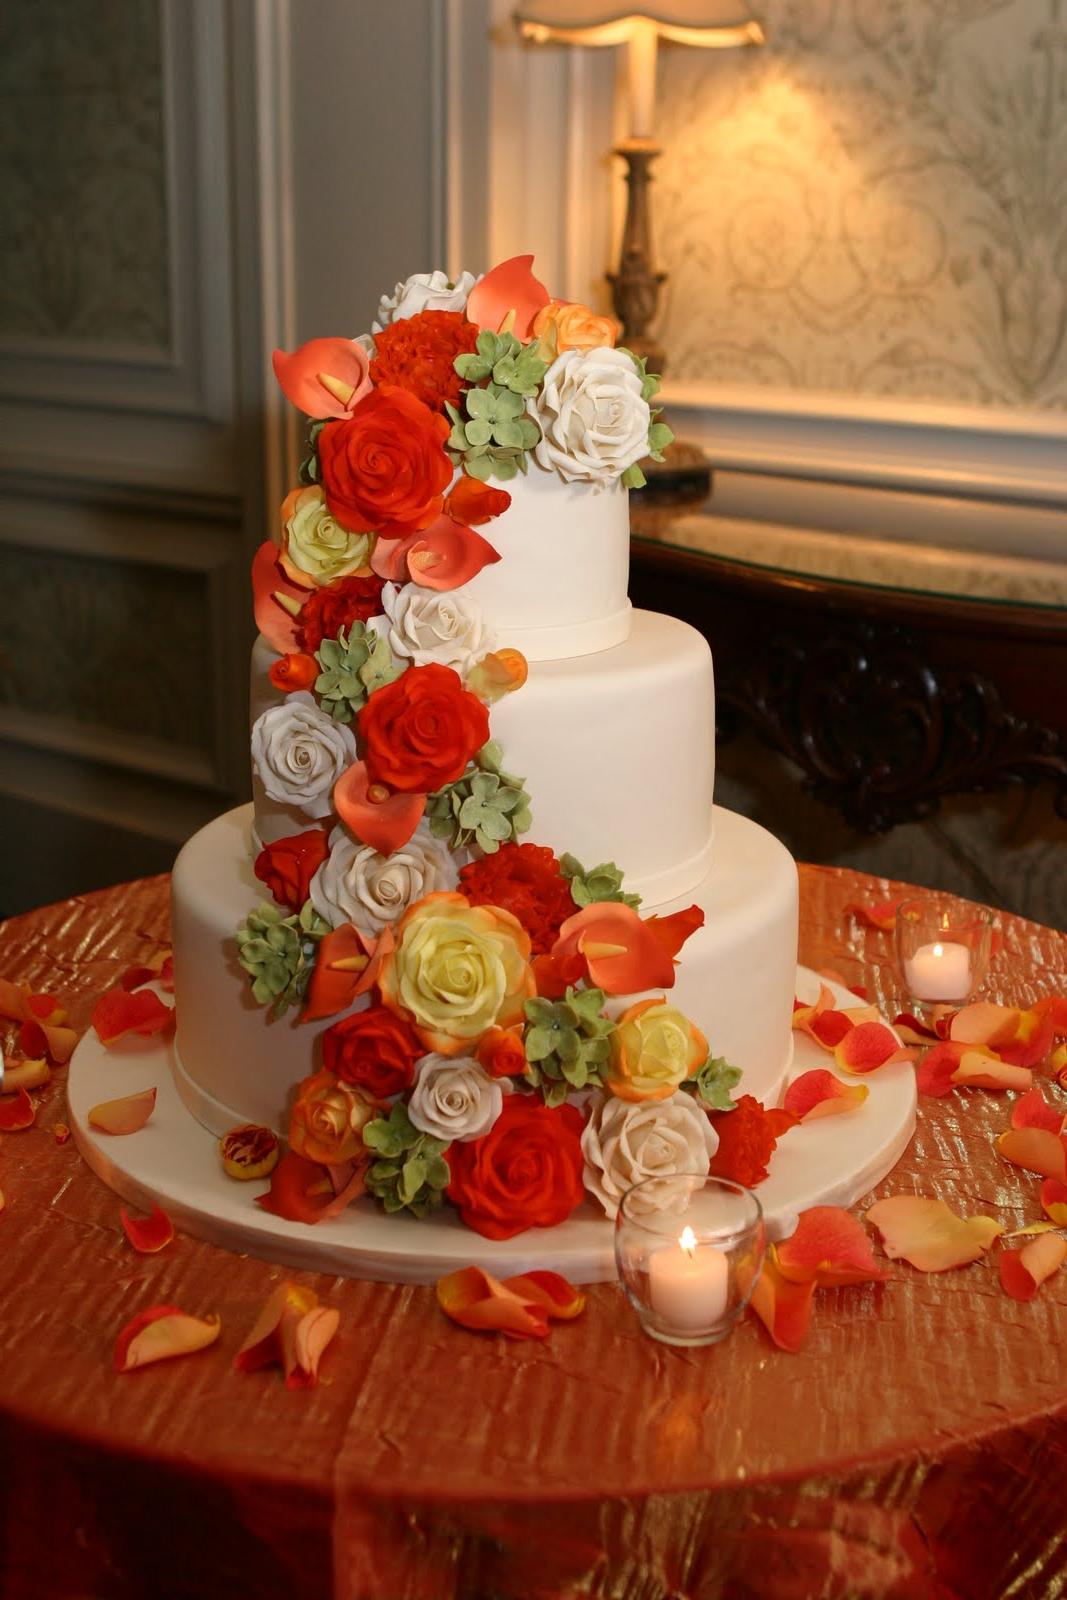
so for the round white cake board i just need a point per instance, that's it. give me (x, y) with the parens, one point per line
(173, 1162)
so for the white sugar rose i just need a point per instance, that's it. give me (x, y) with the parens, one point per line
(435, 625)
(424, 291)
(625, 1141)
(315, 545)
(299, 753)
(454, 1098)
(356, 884)
(593, 417)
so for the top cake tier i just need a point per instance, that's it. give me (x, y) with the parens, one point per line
(559, 588)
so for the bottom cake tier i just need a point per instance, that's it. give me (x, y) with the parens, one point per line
(735, 978)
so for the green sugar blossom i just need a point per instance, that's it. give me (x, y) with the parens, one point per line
(567, 1043)
(600, 883)
(487, 807)
(352, 668)
(411, 1172)
(713, 1082)
(278, 953)
(500, 356)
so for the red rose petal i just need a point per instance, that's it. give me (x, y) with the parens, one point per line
(160, 1333)
(830, 1246)
(17, 1112)
(118, 1013)
(820, 1093)
(150, 1234)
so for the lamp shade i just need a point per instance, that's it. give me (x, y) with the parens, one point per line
(699, 22)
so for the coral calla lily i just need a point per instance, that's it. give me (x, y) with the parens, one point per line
(928, 1234)
(276, 600)
(301, 1191)
(442, 556)
(381, 817)
(508, 298)
(622, 953)
(324, 377)
(346, 965)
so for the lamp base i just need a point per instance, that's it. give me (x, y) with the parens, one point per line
(683, 477)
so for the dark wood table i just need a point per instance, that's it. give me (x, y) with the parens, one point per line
(916, 1446)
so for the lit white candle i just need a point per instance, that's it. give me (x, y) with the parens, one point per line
(689, 1284)
(939, 972)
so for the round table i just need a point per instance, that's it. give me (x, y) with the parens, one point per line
(916, 1445)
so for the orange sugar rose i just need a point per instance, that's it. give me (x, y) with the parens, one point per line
(327, 1120)
(568, 325)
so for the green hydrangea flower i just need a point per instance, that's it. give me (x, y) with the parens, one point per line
(567, 1043)
(511, 365)
(494, 436)
(599, 883)
(487, 807)
(713, 1082)
(278, 953)
(411, 1172)
(352, 668)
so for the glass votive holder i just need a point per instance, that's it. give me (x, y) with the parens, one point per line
(942, 949)
(689, 1249)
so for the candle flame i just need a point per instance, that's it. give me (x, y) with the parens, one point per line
(939, 950)
(688, 1241)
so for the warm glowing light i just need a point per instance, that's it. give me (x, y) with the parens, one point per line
(688, 1241)
(938, 950)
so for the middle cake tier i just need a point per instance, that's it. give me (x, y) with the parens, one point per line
(617, 749)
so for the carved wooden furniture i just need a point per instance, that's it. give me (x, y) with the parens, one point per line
(887, 699)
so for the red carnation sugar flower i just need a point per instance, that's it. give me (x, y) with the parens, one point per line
(524, 879)
(417, 354)
(747, 1137)
(326, 611)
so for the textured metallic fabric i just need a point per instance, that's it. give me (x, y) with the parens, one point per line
(917, 1445)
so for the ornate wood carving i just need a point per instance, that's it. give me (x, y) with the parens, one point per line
(635, 287)
(880, 732)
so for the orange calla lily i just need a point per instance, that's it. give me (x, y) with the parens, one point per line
(323, 377)
(623, 953)
(1022, 1272)
(276, 600)
(161, 1333)
(127, 1115)
(382, 817)
(928, 1234)
(820, 1093)
(442, 556)
(347, 964)
(508, 298)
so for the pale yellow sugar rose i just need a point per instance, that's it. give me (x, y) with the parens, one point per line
(315, 548)
(654, 1048)
(568, 325)
(457, 971)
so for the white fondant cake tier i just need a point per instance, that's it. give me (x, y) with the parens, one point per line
(559, 588)
(735, 978)
(617, 750)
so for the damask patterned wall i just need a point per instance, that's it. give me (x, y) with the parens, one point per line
(83, 245)
(874, 204)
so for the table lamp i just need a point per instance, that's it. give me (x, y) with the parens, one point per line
(709, 24)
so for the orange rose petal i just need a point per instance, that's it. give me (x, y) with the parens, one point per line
(292, 1331)
(147, 1234)
(882, 914)
(929, 1235)
(912, 1029)
(1036, 1149)
(979, 1069)
(347, 964)
(829, 1247)
(475, 1299)
(275, 621)
(1022, 1272)
(17, 1112)
(783, 1306)
(985, 1023)
(47, 1039)
(118, 1013)
(311, 1336)
(25, 1075)
(1054, 1007)
(510, 294)
(1033, 1043)
(820, 1093)
(160, 1333)
(1032, 1110)
(867, 1047)
(383, 819)
(1057, 1063)
(259, 1348)
(20, 1004)
(551, 1290)
(934, 1073)
(1054, 1200)
(127, 1115)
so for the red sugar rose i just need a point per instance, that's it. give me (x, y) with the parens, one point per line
(288, 865)
(385, 467)
(326, 611)
(420, 731)
(525, 1173)
(373, 1050)
(524, 879)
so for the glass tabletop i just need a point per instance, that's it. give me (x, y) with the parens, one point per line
(864, 561)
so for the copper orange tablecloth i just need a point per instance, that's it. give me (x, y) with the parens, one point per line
(916, 1446)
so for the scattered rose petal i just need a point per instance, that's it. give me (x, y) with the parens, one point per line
(160, 1333)
(47, 1039)
(126, 1115)
(1032, 1110)
(783, 1306)
(551, 1290)
(475, 1299)
(291, 1331)
(1032, 1042)
(934, 1073)
(1054, 1007)
(881, 914)
(1022, 1272)
(929, 1235)
(830, 1247)
(1057, 1064)
(912, 1029)
(868, 1046)
(985, 1023)
(25, 1075)
(118, 1013)
(17, 1111)
(979, 1069)
(150, 1234)
(1035, 1149)
(820, 1093)
(1054, 1200)
(20, 1004)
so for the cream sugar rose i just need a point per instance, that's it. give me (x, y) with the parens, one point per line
(449, 668)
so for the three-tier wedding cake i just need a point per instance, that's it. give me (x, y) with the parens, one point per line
(482, 940)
